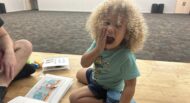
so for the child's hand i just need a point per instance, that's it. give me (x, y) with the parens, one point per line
(101, 41)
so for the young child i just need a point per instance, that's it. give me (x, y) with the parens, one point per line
(118, 30)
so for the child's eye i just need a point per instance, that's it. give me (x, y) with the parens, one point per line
(118, 26)
(107, 23)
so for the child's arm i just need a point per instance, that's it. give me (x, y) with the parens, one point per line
(89, 57)
(128, 91)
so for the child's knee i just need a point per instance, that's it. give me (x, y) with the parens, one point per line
(81, 73)
(78, 74)
(73, 97)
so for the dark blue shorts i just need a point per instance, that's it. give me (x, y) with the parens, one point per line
(99, 92)
(109, 96)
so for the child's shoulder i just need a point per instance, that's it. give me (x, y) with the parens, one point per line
(126, 53)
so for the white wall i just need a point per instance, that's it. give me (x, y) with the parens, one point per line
(68, 5)
(88, 5)
(81, 5)
(16, 5)
(145, 5)
(181, 8)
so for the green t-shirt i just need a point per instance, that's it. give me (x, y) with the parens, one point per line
(112, 67)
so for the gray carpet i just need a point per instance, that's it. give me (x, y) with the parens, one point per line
(64, 32)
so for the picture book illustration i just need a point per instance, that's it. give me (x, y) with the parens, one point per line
(50, 88)
(45, 90)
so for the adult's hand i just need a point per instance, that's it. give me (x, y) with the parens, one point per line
(8, 64)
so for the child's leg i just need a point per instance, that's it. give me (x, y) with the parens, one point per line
(84, 95)
(81, 76)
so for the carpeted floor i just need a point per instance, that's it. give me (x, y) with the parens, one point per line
(64, 32)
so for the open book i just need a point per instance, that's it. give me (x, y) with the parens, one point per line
(21, 99)
(50, 88)
(55, 63)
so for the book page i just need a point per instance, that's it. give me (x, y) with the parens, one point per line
(21, 99)
(55, 63)
(49, 87)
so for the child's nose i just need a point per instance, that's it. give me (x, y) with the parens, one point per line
(110, 30)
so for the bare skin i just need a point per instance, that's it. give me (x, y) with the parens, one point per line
(13, 57)
(83, 95)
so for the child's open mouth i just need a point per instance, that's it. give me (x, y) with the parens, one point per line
(109, 40)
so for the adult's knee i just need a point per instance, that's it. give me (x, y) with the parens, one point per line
(27, 44)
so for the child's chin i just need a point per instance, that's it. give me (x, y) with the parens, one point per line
(109, 47)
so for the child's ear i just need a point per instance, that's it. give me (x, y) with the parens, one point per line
(126, 36)
(127, 39)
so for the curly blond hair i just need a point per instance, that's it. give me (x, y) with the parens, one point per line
(136, 29)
